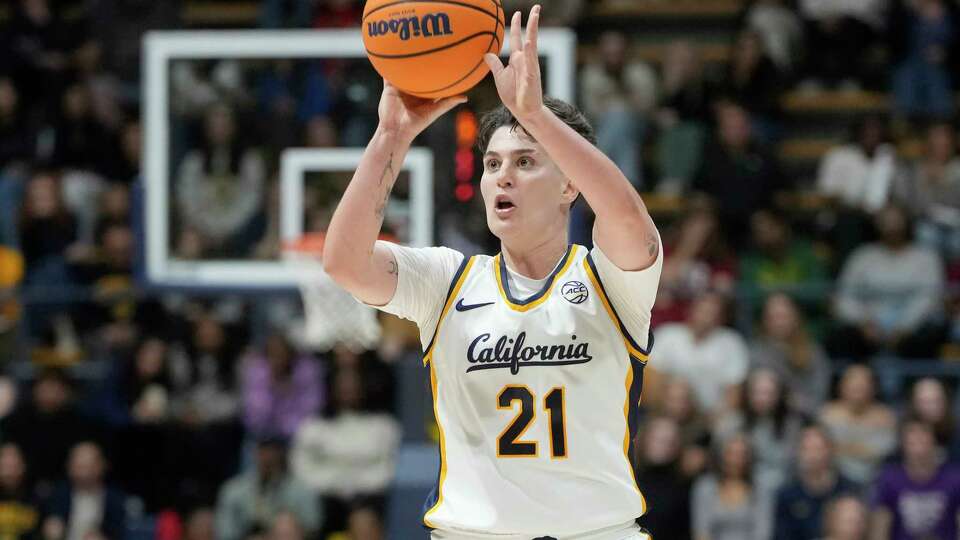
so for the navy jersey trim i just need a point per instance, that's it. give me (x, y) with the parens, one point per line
(446, 299)
(623, 329)
(546, 286)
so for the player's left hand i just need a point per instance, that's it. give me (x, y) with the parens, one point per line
(519, 83)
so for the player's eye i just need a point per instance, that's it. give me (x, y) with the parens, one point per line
(492, 164)
(524, 162)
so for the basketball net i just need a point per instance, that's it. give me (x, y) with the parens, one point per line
(331, 315)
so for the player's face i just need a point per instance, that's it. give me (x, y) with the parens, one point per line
(525, 195)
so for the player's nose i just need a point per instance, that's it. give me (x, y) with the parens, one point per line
(504, 178)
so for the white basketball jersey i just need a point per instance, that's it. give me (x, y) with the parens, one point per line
(536, 401)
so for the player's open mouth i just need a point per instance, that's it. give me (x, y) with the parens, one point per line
(503, 206)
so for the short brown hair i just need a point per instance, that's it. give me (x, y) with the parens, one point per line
(501, 116)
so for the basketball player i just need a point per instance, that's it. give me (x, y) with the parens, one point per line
(536, 354)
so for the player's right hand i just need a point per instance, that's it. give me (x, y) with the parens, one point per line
(406, 115)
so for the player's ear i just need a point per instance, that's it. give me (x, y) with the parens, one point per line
(570, 192)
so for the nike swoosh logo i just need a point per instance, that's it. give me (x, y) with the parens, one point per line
(464, 307)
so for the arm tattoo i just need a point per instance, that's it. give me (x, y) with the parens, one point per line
(652, 245)
(394, 269)
(387, 170)
(390, 175)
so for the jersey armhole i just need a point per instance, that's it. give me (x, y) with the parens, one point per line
(635, 350)
(455, 284)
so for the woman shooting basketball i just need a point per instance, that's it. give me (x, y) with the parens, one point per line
(536, 354)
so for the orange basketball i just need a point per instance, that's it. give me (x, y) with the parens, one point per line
(432, 48)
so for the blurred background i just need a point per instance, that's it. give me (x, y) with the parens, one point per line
(800, 158)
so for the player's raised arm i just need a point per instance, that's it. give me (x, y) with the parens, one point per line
(350, 252)
(623, 228)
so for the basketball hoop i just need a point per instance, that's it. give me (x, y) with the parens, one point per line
(331, 315)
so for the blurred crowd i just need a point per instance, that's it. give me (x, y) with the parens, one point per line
(126, 413)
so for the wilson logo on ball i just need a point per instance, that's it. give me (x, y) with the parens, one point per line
(429, 25)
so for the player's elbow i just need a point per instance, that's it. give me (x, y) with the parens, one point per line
(336, 263)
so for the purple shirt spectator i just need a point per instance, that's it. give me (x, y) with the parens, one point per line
(280, 389)
(920, 509)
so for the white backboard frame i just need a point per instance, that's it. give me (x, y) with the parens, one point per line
(557, 46)
(295, 162)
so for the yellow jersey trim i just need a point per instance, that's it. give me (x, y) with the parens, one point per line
(544, 294)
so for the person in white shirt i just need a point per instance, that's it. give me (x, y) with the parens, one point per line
(713, 359)
(536, 371)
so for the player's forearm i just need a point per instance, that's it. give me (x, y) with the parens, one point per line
(355, 226)
(622, 218)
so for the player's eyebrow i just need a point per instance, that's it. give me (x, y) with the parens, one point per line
(517, 152)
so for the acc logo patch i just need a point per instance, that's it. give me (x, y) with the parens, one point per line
(574, 292)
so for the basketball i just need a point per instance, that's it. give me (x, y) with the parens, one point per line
(432, 49)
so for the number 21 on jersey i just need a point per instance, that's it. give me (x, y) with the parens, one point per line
(509, 443)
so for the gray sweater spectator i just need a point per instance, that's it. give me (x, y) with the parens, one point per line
(890, 294)
(254, 501)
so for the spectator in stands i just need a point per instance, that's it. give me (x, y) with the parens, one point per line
(219, 187)
(863, 430)
(778, 260)
(138, 390)
(36, 49)
(17, 138)
(779, 28)
(663, 480)
(890, 295)
(684, 112)
(205, 378)
(930, 189)
(85, 506)
(860, 174)
(919, 495)
(930, 403)
(47, 426)
(46, 230)
(703, 345)
(728, 504)
(845, 519)
(697, 260)
(739, 172)
(840, 36)
(754, 80)
(81, 142)
(679, 405)
(118, 26)
(290, 93)
(785, 346)
(281, 389)
(800, 503)
(376, 376)
(19, 508)
(770, 425)
(251, 502)
(351, 453)
(618, 94)
(923, 35)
